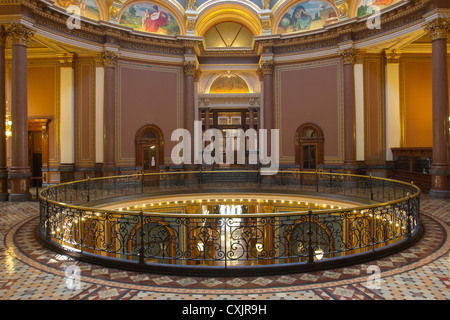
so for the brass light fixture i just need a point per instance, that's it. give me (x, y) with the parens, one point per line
(8, 123)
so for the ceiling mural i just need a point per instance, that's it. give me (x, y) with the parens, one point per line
(307, 15)
(176, 17)
(149, 17)
(87, 8)
(370, 6)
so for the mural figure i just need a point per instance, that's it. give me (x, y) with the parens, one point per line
(370, 6)
(301, 19)
(151, 21)
(88, 8)
(149, 17)
(307, 15)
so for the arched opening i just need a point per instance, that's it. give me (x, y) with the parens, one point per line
(309, 143)
(149, 143)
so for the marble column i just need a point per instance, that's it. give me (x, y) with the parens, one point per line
(267, 68)
(67, 116)
(20, 172)
(438, 29)
(190, 70)
(349, 57)
(393, 139)
(3, 165)
(109, 60)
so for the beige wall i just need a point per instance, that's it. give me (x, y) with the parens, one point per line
(310, 92)
(416, 100)
(147, 95)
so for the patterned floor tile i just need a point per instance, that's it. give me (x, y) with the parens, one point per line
(30, 271)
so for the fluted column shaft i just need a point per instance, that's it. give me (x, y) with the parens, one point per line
(438, 30)
(349, 57)
(3, 166)
(20, 171)
(109, 60)
(190, 70)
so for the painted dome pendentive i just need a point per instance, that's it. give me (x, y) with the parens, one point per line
(88, 8)
(149, 17)
(366, 7)
(307, 15)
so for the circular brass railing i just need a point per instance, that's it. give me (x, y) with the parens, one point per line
(387, 220)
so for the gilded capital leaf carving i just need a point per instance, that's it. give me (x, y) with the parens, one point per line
(190, 68)
(108, 58)
(19, 34)
(267, 66)
(349, 56)
(438, 28)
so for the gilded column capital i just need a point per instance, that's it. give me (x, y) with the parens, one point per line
(19, 34)
(65, 60)
(108, 58)
(349, 56)
(267, 67)
(3, 35)
(392, 56)
(438, 28)
(190, 68)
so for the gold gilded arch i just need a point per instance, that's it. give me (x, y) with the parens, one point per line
(176, 11)
(227, 12)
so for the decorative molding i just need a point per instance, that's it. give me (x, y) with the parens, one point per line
(438, 28)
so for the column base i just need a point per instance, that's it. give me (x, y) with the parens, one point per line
(439, 194)
(67, 172)
(4, 196)
(19, 197)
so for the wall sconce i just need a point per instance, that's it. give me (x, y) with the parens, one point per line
(8, 123)
(319, 254)
(259, 247)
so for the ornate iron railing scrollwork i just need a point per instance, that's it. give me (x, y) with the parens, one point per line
(274, 242)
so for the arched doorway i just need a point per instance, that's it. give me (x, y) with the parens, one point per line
(309, 143)
(149, 148)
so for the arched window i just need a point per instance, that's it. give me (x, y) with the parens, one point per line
(309, 146)
(149, 148)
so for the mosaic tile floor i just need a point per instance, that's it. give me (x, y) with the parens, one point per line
(29, 271)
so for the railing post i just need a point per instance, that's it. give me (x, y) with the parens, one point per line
(309, 233)
(47, 220)
(408, 215)
(142, 249)
(88, 189)
(81, 231)
(371, 187)
(317, 181)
